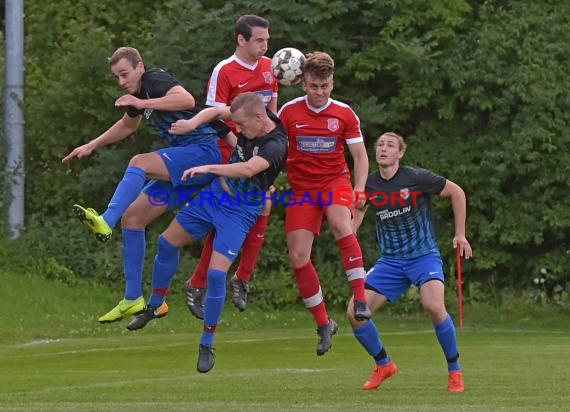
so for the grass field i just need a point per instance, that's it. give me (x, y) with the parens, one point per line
(55, 357)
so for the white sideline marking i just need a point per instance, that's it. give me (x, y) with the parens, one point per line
(163, 379)
(416, 332)
(267, 339)
(45, 341)
(114, 349)
(171, 345)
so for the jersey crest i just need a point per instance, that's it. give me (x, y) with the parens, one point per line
(333, 124)
(268, 77)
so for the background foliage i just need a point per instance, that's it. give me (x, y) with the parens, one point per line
(479, 88)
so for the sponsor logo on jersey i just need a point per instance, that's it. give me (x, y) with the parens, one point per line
(316, 144)
(386, 214)
(265, 95)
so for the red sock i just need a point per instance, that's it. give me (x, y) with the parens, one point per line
(310, 288)
(251, 248)
(320, 314)
(353, 264)
(198, 278)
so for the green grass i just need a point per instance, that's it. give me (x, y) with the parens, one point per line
(54, 356)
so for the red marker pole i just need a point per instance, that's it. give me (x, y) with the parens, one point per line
(460, 287)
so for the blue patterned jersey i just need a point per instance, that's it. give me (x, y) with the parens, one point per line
(403, 208)
(156, 83)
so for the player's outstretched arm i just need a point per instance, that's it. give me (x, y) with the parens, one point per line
(459, 205)
(241, 170)
(177, 98)
(119, 131)
(204, 116)
(358, 217)
(358, 153)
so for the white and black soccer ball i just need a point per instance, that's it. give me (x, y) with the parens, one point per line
(287, 65)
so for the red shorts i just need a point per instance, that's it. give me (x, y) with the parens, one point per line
(307, 208)
(226, 151)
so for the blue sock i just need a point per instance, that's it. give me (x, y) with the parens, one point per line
(134, 248)
(369, 338)
(213, 304)
(165, 266)
(126, 192)
(445, 333)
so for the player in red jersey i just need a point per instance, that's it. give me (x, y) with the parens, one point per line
(319, 130)
(247, 70)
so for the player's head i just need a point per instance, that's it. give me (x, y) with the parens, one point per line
(318, 78)
(390, 148)
(252, 37)
(127, 67)
(249, 115)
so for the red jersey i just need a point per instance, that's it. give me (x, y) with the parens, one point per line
(233, 76)
(317, 141)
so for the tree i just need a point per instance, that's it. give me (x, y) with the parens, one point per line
(479, 88)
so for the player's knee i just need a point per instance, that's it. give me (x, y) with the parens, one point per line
(140, 160)
(298, 257)
(350, 315)
(436, 310)
(133, 220)
(340, 228)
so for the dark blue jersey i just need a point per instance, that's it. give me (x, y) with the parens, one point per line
(403, 208)
(273, 148)
(156, 83)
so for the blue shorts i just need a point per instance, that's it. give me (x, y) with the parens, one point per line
(162, 193)
(392, 277)
(177, 159)
(231, 222)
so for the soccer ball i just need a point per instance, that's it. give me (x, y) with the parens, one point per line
(287, 65)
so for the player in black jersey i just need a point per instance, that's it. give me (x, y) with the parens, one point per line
(157, 97)
(401, 199)
(259, 155)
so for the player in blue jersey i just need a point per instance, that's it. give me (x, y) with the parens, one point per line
(159, 98)
(259, 155)
(401, 199)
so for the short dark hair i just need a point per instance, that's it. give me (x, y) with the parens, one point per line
(247, 22)
(319, 64)
(250, 102)
(129, 53)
